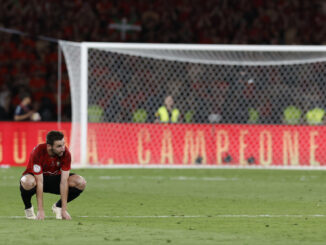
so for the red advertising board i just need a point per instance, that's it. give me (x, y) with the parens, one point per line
(17, 139)
(177, 144)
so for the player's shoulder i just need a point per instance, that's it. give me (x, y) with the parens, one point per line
(39, 149)
(67, 152)
(67, 149)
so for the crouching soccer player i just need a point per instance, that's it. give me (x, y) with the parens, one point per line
(48, 170)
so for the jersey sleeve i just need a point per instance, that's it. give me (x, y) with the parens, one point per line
(35, 164)
(66, 166)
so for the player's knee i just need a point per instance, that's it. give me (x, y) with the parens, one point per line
(28, 182)
(77, 181)
(81, 183)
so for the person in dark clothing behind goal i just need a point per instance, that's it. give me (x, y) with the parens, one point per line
(48, 170)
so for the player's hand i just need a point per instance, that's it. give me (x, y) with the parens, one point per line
(65, 215)
(40, 215)
(30, 113)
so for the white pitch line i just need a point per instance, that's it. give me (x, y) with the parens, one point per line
(213, 216)
(193, 216)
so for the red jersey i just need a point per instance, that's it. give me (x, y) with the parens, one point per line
(40, 162)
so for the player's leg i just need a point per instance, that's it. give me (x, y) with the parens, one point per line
(76, 186)
(27, 190)
(77, 181)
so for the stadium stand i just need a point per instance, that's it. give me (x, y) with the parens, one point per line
(29, 64)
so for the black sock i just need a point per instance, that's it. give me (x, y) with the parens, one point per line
(27, 196)
(73, 193)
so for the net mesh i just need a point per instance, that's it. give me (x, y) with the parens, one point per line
(127, 87)
(123, 83)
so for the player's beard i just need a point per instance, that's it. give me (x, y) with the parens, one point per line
(60, 155)
(57, 154)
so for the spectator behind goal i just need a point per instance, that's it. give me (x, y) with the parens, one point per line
(167, 113)
(24, 111)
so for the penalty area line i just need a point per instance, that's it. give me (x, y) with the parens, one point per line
(190, 216)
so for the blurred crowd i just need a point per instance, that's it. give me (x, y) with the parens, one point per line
(30, 65)
(171, 21)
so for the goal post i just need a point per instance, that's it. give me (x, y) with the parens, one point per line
(238, 104)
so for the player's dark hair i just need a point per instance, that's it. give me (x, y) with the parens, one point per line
(53, 136)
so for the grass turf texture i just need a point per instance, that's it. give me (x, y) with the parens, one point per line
(175, 206)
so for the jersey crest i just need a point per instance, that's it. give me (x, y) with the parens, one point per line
(36, 168)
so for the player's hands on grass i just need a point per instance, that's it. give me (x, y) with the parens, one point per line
(65, 215)
(40, 215)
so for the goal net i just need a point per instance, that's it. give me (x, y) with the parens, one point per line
(230, 104)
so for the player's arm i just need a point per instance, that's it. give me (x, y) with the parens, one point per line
(64, 193)
(24, 116)
(39, 196)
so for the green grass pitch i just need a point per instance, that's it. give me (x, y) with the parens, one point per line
(175, 206)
